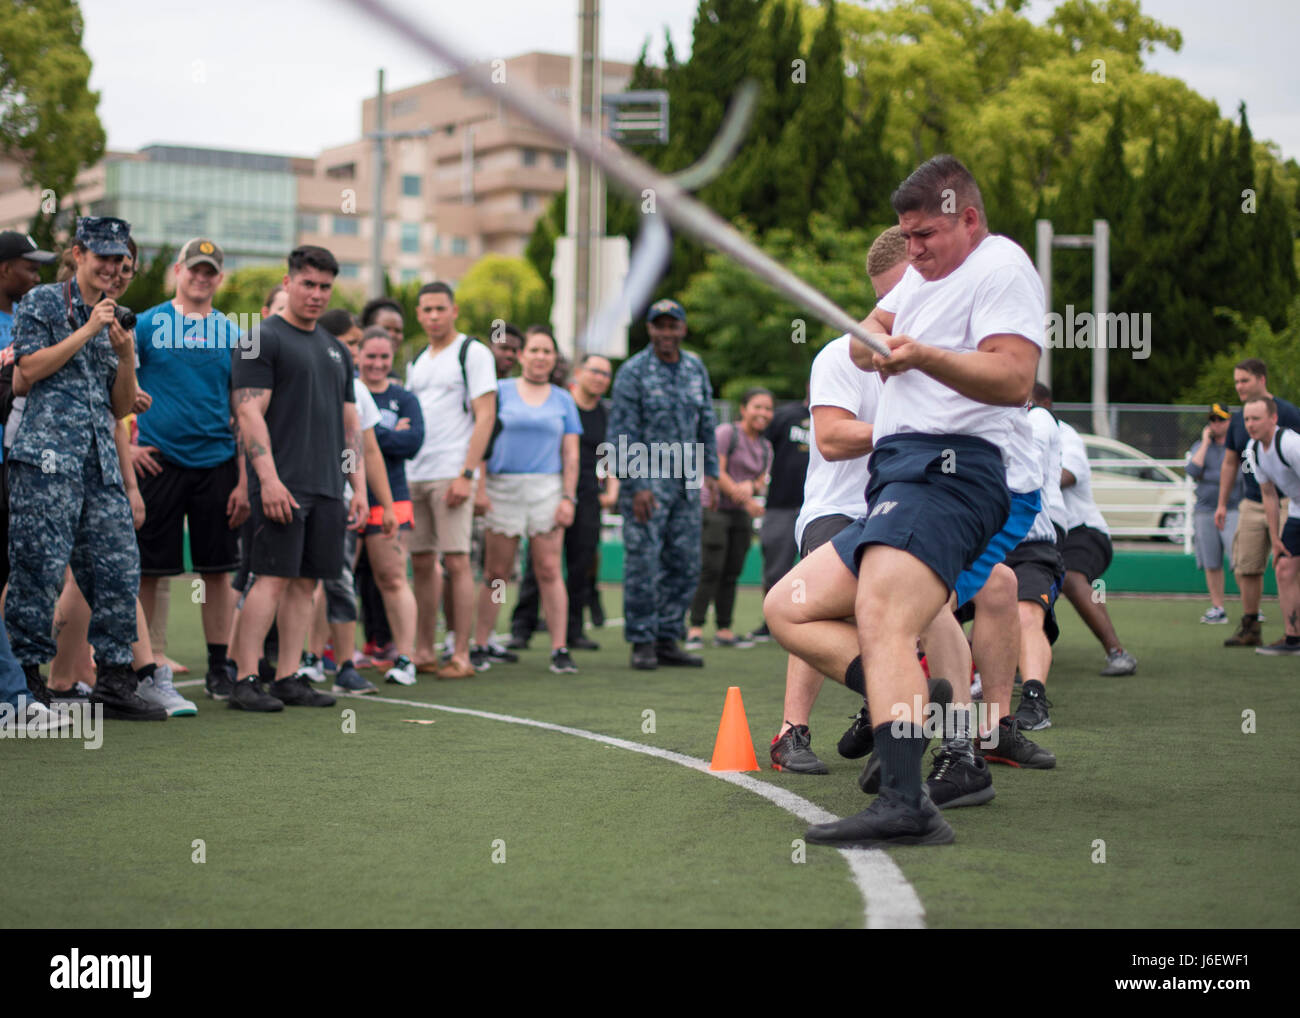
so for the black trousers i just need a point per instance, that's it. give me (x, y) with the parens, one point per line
(374, 619)
(726, 539)
(581, 543)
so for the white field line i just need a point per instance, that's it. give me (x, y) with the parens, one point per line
(889, 901)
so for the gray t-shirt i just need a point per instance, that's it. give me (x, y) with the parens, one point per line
(1207, 478)
(747, 459)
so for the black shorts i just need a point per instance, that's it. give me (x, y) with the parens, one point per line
(176, 495)
(1087, 551)
(1040, 571)
(940, 498)
(309, 546)
(1291, 535)
(821, 530)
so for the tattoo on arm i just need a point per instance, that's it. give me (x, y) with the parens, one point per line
(254, 448)
(241, 396)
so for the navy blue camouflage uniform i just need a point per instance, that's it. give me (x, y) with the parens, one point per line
(67, 501)
(654, 402)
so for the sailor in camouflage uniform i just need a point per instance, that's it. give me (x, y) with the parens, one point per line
(67, 501)
(662, 413)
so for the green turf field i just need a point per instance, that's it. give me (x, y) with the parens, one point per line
(398, 824)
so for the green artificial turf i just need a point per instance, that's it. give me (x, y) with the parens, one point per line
(397, 823)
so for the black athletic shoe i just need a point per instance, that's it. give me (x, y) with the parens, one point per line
(869, 779)
(562, 662)
(479, 658)
(644, 657)
(959, 778)
(79, 693)
(887, 821)
(1032, 712)
(793, 752)
(1015, 750)
(296, 691)
(265, 671)
(940, 692)
(115, 690)
(582, 643)
(36, 684)
(858, 740)
(518, 642)
(219, 683)
(673, 656)
(499, 653)
(249, 693)
(760, 635)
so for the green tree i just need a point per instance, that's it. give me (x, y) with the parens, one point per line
(497, 287)
(48, 118)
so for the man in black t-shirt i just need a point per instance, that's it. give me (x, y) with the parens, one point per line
(788, 432)
(582, 538)
(298, 426)
(1251, 544)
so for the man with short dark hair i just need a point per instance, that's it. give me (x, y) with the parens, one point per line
(301, 434)
(454, 378)
(185, 455)
(67, 500)
(1251, 543)
(1274, 452)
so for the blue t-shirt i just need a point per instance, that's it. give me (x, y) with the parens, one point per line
(6, 329)
(531, 437)
(185, 367)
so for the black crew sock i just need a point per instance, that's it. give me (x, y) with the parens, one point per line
(901, 752)
(1291, 641)
(854, 677)
(216, 656)
(146, 672)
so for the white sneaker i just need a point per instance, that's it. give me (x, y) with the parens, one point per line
(976, 687)
(1215, 617)
(34, 716)
(402, 672)
(159, 691)
(311, 667)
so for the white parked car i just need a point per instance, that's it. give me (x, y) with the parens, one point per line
(1138, 496)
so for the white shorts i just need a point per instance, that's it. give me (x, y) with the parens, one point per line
(523, 504)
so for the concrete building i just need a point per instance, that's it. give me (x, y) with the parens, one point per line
(475, 184)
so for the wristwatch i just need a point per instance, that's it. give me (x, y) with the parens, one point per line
(571, 498)
(467, 474)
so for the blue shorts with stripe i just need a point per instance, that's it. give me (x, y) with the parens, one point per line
(1024, 508)
(940, 498)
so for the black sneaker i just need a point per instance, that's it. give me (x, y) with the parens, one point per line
(1032, 712)
(36, 684)
(959, 778)
(858, 740)
(219, 683)
(940, 693)
(1014, 750)
(115, 690)
(480, 658)
(793, 752)
(887, 821)
(562, 662)
(518, 642)
(79, 693)
(582, 643)
(644, 657)
(668, 653)
(869, 779)
(760, 635)
(498, 653)
(249, 693)
(296, 691)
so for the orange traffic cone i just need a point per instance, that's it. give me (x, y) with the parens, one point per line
(734, 748)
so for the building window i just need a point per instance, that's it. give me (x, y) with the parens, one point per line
(528, 200)
(308, 222)
(530, 157)
(349, 270)
(346, 226)
(410, 275)
(437, 243)
(459, 246)
(411, 185)
(400, 107)
(560, 160)
(344, 171)
(411, 238)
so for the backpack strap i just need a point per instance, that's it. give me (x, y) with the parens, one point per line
(1277, 444)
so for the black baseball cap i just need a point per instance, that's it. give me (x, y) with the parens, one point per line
(666, 307)
(19, 245)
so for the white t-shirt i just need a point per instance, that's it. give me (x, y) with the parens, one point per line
(1269, 468)
(368, 412)
(439, 385)
(1080, 509)
(994, 291)
(1047, 446)
(838, 488)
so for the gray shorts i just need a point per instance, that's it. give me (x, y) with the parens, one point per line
(1211, 543)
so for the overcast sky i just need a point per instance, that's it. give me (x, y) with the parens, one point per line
(288, 76)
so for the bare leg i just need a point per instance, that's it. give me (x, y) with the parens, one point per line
(388, 563)
(1252, 591)
(498, 560)
(293, 619)
(995, 639)
(546, 550)
(428, 584)
(462, 586)
(1214, 584)
(74, 662)
(1094, 614)
(807, 609)
(1288, 592)
(802, 685)
(255, 622)
(1035, 651)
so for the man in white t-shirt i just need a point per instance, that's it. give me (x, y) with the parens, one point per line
(455, 381)
(1275, 453)
(842, 402)
(965, 338)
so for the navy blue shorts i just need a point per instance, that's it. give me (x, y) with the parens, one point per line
(940, 498)
(1024, 509)
(1291, 535)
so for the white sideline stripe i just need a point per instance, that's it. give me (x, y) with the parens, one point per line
(889, 901)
